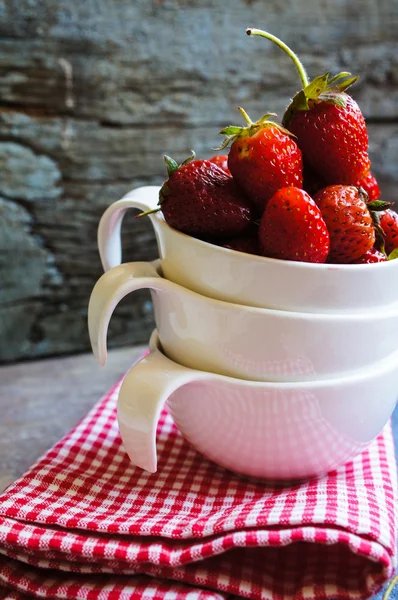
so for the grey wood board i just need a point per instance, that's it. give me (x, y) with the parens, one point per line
(93, 93)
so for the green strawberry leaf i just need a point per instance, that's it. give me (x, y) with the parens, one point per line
(339, 76)
(379, 232)
(171, 165)
(393, 255)
(231, 130)
(333, 98)
(266, 117)
(320, 89)
(188, 160)
(378, 205)
(226, 142)
(316, 87)
(343, 85)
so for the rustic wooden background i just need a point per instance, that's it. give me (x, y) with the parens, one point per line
(93, 92)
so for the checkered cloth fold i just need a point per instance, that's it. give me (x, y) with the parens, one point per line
(84, 523)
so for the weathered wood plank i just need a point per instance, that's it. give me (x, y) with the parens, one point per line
(41, 401)
(153, 61)
(93, 93)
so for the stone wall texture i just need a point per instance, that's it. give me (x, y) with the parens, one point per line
(93, 92)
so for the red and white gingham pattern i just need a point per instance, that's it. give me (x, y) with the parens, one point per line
(83, 523)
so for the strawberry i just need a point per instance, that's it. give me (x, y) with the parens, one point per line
(328, 124)
(292, 228)
(389, 224)
(370, 185)
(221, 160)
(248, 244)
(371, 256)
(350, 224)
(263, 158)
(201, 199)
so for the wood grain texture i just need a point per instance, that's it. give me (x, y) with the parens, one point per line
(93, 93)
(42, 400)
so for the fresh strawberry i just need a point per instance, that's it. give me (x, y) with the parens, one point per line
(328, 124)
(333, 139)
(263, 158)
(350, 224)
(248, 244)
(221, 160)
(292, 228)
(200, 199)
(371, 256)
(370, 185)
(389, 224)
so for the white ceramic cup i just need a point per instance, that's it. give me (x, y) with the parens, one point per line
(243, 341)
(247, 279)
(267, 430)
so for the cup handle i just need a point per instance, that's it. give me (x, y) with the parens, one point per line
(109, 234)
(110, 289)
(142, 396)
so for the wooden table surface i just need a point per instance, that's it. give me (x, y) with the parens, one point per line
(40, 401)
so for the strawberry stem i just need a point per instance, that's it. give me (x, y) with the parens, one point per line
(147, 212)
(245, 116)
(298, 64)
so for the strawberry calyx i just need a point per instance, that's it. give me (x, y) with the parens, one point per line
(378, 205)
(321, 89)
(172, 166)
(393, 255)
(233, 132)
(375, 207)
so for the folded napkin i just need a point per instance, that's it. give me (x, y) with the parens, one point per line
(84, 523)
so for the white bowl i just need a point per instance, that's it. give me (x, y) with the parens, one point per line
(247, 279)
(243, 341)
(268, 430)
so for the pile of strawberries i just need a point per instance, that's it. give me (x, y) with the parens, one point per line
(301, 190)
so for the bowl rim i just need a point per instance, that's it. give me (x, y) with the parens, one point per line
(337, 316)
(379, 368)
(285, 264)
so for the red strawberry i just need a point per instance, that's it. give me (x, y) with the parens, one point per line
(221, 160)
(292, 228)
(201, 199)
(389, 224)
(370, 185)
(263, 158)
(246, 244)
(328, 124)
(333, 139)
(350, 224)
(371, 256)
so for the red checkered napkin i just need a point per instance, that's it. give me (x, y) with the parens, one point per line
(83, 523)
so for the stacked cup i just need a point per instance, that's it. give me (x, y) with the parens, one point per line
(270, 368)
